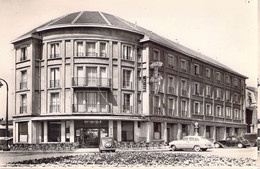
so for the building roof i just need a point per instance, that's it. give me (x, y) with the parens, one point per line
(101, 19)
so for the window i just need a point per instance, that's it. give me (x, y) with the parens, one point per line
(156, 105)
(228, 112)
(91, 73)
(218, 93)
(23, 83)
(157, 130)
(156, 55)
(197, 108)
(227, 95)
(171, 61)
(102, 49)
(208, 73)
(208, 110)
(236, 99)
(55, 50)
(54, 131)
(183, 65)
(196, 88)
(127, 82)
(23, 132)
(80, 50)
(235, 82)
(127, 52)
(23, 54)
(67, 131)
(127, 131)
(171, 106)
(184, 87)
(171, 89)
(115, 50)
(54, 103)
(218, 76)
(242, 85)
(55, 77)
(196, 69)
(218, 111)
(236, 114)
(91, 102)
(91, 49)
(208, 91)
(23, 108)
(183, 108)
(127, 108)
(227, 79)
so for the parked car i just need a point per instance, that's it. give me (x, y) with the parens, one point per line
(232, 141)
(252, 138)
(107, 144)
(197, 143)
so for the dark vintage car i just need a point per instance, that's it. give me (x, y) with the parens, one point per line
(107, 144)
(232, 141)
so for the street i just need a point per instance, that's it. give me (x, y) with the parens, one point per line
(6, 157)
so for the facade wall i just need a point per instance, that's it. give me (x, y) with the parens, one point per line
(67, 79)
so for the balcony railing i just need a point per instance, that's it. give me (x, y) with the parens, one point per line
(157, 110)
(91, 108)
(91, 82)
(23, 109)
(127, 109)
(52, 56)
(127, 58)
(54, 83)
(127, 84)
(183, 113)
(171, 112)
(23, 85)
(54, 108)
(91, 54)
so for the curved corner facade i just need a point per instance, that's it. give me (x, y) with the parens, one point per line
(77, 84)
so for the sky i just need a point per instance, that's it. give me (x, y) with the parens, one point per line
(225, 30)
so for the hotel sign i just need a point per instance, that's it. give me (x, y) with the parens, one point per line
(156, 78)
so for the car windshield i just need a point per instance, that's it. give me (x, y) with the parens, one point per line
(106, 139)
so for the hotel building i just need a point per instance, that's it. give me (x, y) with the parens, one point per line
(88, 74)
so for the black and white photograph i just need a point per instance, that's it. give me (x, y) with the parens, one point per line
(129, 84)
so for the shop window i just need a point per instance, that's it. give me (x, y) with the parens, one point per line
(157, 130)
(127, 131)
(67, 131)
(23, 132)
(54, 131)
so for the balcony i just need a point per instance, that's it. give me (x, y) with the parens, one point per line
(127, 84)
(157, 111)
(91, 82)
(91, 108)
(23, 85)
(54, 108)
(23, 109)
(54, 83)
(91, 54)
(127, 109)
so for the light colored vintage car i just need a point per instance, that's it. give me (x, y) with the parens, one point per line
(197, 143)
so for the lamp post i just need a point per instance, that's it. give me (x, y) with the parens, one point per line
(6, 115)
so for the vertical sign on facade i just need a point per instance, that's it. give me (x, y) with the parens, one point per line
(156, 78)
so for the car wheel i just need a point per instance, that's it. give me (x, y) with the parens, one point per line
(204, 149)
(173, 148)
(196, 148)
(101, 151)
(239, 145)
(216, 145)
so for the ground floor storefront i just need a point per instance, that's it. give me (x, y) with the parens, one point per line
(87, 132)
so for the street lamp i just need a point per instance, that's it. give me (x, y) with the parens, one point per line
(6, 148)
